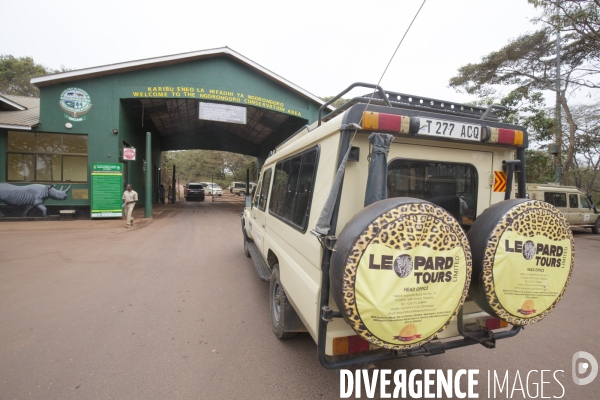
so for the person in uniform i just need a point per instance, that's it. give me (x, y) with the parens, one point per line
(130, 196)
(161, 193)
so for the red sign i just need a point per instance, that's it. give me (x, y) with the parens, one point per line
(129, 154)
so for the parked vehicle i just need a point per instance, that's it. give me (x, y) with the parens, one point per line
(240, 188)
(193, 191)
(373, 251)
(577, 208)
(212, 189)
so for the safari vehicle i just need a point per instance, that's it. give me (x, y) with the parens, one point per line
(383, 234)
(239, 188)
(578, 209)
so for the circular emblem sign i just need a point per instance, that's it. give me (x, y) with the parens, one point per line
(75, 103)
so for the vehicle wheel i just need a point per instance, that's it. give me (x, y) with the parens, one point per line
(241, 193)
(279, 306)
(246, 251)
(596, 227)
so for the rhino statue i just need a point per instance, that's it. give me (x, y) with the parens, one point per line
(30, 196)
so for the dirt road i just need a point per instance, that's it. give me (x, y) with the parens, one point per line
(172, 308)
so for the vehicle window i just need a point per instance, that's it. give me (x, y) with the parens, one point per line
(573, 201)
(282, 174)
(195, 186)
(584, 202)
(292, 188)
(556, 199)
(449, 185)
(257, 195)
(264, 190)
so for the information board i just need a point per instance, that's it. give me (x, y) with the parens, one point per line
(222, 113)
(107, 190)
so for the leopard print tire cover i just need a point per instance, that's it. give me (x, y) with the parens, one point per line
(400, 272)
(523, 257)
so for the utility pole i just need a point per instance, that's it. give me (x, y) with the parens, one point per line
(558, 121)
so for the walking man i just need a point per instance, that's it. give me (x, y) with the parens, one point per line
(130, 196)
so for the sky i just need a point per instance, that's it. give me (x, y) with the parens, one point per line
(321, 46)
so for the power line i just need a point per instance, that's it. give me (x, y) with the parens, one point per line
(401, 40)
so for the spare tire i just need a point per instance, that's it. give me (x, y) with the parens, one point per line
(523, 257)
(400, 272)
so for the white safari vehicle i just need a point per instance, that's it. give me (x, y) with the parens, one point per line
(383, 233)
(577, 208)
(212, 189)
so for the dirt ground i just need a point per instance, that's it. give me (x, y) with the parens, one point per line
(172, 308)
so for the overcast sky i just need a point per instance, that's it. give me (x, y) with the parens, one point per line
(321, 46)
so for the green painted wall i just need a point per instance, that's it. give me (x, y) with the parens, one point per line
(113, 107)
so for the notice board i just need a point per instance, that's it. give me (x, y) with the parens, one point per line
(107, 190)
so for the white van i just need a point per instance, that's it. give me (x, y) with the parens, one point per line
(578, 209)
(375, 223)
(239, 188)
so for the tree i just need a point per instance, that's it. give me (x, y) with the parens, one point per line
(540, 168)
(206, 165)
(587, 145)
(16, 73)
(338, 103)
(578, 17)
(528, 63)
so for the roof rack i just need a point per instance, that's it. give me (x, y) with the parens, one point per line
(401, 100)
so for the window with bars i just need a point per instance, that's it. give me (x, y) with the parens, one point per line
(46, 157)
(452, 186)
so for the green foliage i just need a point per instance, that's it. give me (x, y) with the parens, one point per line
(539, 167)
(579, 19)
(338, 103)
(15, 74)
(207, 166)
(528, 109)
(528, 65)
(587, 146)
(523, 62)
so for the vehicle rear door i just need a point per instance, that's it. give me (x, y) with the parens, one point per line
(430, 172)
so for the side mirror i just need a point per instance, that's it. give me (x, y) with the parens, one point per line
(248, 201)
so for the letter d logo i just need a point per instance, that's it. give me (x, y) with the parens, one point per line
(583, 366)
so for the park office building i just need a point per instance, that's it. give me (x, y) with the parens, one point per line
(87, 117)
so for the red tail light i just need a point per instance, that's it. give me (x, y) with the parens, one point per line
(503, 136)
(349, 344)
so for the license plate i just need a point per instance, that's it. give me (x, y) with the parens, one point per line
(450, 129)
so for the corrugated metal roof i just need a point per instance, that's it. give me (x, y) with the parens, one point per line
(25, 119)
(25, 102)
